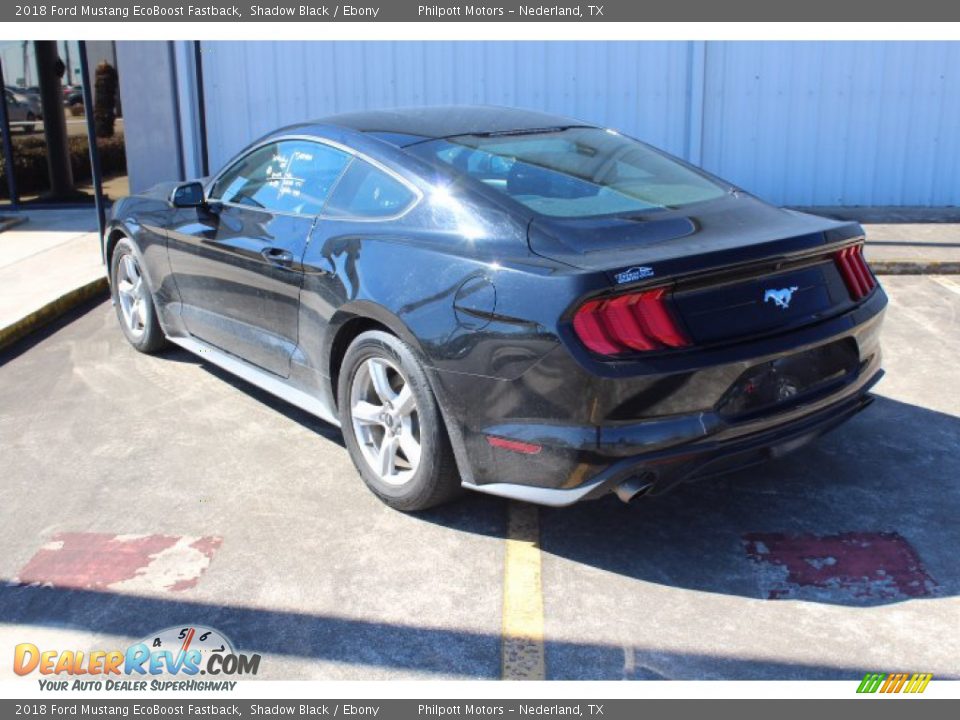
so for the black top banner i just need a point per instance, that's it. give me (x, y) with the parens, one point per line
(437, 709)
(405, 11)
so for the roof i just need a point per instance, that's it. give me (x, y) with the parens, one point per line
(406, 126)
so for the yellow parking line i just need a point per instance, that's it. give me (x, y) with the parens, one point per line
(522, 632)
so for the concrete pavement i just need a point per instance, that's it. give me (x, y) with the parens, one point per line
(679, 587)
(913, 248)
(48, 264)
(824, 564)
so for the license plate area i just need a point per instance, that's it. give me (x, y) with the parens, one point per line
(762, 304)
(779, 384)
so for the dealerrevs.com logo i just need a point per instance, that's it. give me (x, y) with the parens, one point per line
(171, 659)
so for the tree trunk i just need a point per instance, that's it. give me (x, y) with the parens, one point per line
(54, 122)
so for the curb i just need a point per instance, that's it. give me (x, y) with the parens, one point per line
(51, 311)
(907, 267)
(11, 221)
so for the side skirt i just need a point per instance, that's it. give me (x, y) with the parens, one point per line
(256, 376)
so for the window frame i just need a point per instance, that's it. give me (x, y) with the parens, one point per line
(353, 155)
(357, 158)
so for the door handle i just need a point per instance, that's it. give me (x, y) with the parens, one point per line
(277, 256)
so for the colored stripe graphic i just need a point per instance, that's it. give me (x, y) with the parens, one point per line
(894, 682)
(918, 683)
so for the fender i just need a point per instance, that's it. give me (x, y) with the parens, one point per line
(365, 309)
(117, 231)
(151, 249)
(371, 311)
(114, 230)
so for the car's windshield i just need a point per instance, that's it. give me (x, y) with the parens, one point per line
(573, 172)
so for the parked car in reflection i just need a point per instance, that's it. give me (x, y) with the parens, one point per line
(72, 96)
(20, 111)
(31, 97)
(513, 302)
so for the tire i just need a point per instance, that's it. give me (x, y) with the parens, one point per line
(133, 300)
(377, 372)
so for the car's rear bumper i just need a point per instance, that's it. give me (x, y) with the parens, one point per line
(699, 455)
(588, 435)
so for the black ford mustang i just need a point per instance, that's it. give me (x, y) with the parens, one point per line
(507, 301)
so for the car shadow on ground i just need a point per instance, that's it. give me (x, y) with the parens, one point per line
(889, 473)
(864, 516)
(291, 412)
(876, 494)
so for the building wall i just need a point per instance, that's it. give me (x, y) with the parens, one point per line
(148, 89)
(852, 123)
(856, 123)
(252, 88)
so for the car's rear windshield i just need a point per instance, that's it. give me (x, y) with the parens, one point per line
(573, 172)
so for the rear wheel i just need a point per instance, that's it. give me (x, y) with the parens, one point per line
(392, 425)
(133, 301)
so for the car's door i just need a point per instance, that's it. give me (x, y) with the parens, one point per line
(366, 202)
(237, 259)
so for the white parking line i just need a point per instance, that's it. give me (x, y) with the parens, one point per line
(946, 281)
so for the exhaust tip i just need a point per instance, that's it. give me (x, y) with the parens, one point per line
(634, 487)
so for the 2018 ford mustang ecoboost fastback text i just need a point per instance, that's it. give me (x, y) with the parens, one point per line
(507, 301)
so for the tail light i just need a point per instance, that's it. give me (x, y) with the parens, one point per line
(635, 322)
(855, 271)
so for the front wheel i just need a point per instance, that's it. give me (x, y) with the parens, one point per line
(392, 425)
(133, 301)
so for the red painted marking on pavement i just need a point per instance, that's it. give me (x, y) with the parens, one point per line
(857, 564)
(206, 545)
(97, 561)
(91, 560)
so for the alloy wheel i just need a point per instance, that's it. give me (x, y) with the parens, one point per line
(131, 293)
(385, 420)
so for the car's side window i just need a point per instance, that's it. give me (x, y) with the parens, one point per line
(293, 176)
(366, 191)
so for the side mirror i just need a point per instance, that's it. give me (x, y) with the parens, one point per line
(187, 195)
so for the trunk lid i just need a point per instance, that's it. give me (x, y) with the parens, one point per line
(733, 229)
(738, 267)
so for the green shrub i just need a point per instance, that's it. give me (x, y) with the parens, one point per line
(30, 162)
(105, 104)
